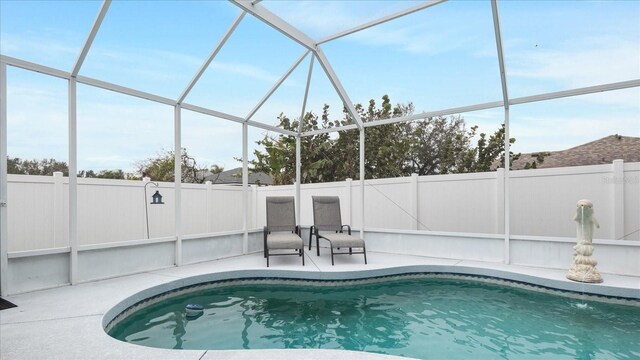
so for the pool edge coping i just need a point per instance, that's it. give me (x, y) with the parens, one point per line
(592, 292)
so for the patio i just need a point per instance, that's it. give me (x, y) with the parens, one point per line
(74, 251)
(67, 322)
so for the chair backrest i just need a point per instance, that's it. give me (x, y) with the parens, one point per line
(281, 213)
(326, 213)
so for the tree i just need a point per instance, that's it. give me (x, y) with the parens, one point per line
(162, 168)
(278, 160)
(324, 158)
(36, 167)
(437, 145)
(108, 174)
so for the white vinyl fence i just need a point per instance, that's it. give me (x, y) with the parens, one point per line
(542, 203)
(448, 216)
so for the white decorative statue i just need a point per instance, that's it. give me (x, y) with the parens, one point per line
(583, 267)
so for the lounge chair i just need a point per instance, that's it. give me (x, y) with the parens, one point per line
(281, 232)
(327, 218)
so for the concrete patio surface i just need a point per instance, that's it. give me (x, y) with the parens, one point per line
(67, 322)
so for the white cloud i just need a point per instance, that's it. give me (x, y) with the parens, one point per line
(554, 132)
(419, 39)
(50, 49)
(324, 18)
(587, 62)
(316, 18)
(246, 70)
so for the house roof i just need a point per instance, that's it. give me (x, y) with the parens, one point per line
(601, 151)
(234, 176)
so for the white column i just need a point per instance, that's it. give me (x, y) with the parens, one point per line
(362, 181)
(618, 200)
(298, 177)
(349, 200)
(4, 234)
(245, 187)
(507, 207)
(73, 183)
(58, 208)
(177, 143)
(254, 192)
(499, 214)
(209, 199)
(413, 201)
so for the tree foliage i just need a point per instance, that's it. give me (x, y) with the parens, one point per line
(437, 145)
(159, 168)
(117, 174)
(36, 167)
(162, 168)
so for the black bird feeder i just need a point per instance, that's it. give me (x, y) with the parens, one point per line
(156, 199)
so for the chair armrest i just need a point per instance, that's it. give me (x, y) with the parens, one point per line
(348, 228)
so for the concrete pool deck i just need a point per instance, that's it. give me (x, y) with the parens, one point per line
(67, 322)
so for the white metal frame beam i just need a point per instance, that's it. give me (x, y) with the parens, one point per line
(444, 112)
(490, 105)
(237, 119)
(211, 56)
(276, 22)
(299, 144)
(26, 65)
(298, 36)
(260, 125)
(576, 92)
(382, 20)
(501, 65)
(277, 85)
(306, 96)
(362, 176)
(330, 130)
(136, 93)
(214, 113)
(125, 90)
(507, 136)
(177, 174)
(73, 182)
(4, 234)
(92, 35)
(245, 188)
(335, 81)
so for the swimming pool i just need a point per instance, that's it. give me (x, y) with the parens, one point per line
(421, 315)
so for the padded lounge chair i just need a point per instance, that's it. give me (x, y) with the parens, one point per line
(281, 232)
(327, 218)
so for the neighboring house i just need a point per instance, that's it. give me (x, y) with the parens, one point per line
(234, 176)
(602, 151)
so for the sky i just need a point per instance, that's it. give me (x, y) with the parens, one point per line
(442, 57)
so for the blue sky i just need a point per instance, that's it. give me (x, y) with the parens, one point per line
(441, 57)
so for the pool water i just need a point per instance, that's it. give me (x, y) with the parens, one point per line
(422, 318)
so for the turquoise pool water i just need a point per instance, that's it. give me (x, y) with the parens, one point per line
(422, 318)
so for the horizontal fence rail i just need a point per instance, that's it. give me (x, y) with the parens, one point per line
(447, 216)
(542, 204)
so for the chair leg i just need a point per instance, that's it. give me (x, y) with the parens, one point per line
(302, 254)
(332, 256)
(318, 244)
(266, 251)
(364, 250)
(350, 251)
(310, 236)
